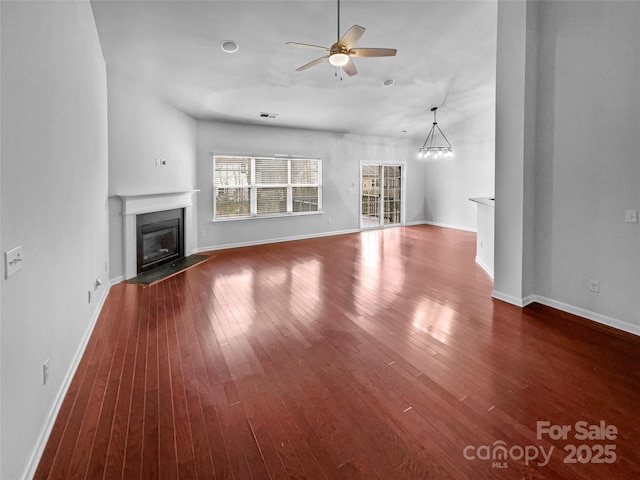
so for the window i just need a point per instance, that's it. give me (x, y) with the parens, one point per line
(248, 187)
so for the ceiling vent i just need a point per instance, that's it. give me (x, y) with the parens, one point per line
(268, 115)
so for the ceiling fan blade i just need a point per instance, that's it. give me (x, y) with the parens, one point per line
(351, 36)
(313, 63)
(306, 45)
(372, 52)
(350, 68)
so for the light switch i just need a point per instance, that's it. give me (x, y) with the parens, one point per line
(631, 216)
(12, 261)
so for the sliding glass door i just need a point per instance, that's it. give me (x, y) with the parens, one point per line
(381, 197)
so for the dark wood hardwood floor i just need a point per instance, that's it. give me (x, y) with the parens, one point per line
(377, 355)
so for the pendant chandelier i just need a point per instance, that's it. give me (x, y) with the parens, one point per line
(433, 147)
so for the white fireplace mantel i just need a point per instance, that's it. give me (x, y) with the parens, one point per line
(133, 205)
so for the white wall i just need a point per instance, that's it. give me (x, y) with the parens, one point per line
(53, 198)
(141, 129)
(515, 150)
(468, 121)
(567, 143)
(341, 155)
(450, 182)
(0, 242)
(588, 166)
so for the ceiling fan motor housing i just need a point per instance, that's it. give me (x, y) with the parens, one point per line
(338, 48)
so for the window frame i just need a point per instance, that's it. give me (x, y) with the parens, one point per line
(253, 188)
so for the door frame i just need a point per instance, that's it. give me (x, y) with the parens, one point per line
(403, 194)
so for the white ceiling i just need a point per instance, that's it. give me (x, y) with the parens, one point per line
(446, 58)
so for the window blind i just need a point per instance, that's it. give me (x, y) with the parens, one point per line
(232, 193)
(247, 187)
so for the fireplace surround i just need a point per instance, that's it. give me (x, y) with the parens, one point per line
(134, 206)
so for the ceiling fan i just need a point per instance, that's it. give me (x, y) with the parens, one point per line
(340, 53)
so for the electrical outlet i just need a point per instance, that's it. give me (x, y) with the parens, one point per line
(45, 372)
(594, 286)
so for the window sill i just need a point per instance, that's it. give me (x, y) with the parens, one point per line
(261, 217)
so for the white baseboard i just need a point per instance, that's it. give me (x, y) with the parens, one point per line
(274, 240)
(446, 225)
(304, 237)
(116, 280)
(34, 460)
(484, 267)
(565, 307)
(589, 315)
(505, 297)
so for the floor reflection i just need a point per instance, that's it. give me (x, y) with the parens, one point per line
(380, 277)
(234, 293)
(305, 288)
(434, 319)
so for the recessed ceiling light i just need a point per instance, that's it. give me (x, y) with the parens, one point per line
(229, 46)
(388, 82)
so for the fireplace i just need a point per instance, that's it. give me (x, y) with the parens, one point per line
(159, 238)
(138, 205)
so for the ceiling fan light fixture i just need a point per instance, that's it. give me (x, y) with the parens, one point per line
(339, 59)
